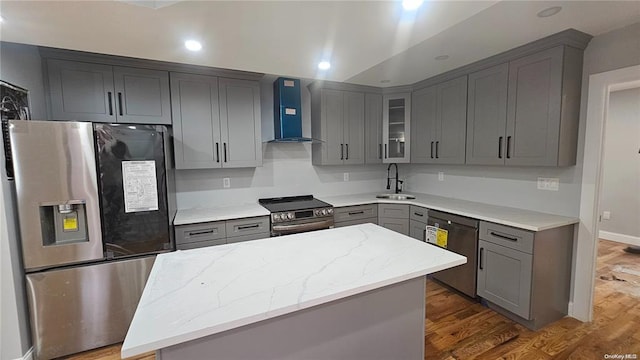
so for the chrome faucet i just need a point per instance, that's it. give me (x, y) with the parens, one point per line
(398, 182)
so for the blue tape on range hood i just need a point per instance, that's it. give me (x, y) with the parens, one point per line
(287, 110)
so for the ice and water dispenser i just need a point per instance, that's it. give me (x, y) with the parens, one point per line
(63, 223)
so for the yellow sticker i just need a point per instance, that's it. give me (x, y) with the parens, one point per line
(441, 238)
(70, 224)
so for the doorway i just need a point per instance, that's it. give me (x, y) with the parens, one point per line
(600, 88)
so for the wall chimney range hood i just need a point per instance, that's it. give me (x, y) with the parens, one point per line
(287, 110)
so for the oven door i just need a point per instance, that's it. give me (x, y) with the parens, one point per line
(299, 226)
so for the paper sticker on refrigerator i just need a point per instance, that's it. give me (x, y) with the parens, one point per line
(139, 184)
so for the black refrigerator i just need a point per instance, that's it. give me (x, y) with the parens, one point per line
(95, 204)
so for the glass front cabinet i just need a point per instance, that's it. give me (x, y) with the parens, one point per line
(395, 127)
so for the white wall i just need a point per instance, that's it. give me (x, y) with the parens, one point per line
(620, 192)
(286, 169)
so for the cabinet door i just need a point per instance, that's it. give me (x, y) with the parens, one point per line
(423, 127)
(332, 119)
(487, 116)
(533, 112)
(240, 126)
(373, 128)
(417, 230)
(353, 127)
(81, 91)
(142, 96)
(504, 277)
(452, 121)
(196, 121)
(396, 110)
(397, 225)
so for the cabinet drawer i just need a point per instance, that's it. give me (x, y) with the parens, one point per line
(249, 226)
(393, 211)
(249, 237)
(200, 232)
(418, 213)
(397, 225)
(372, 220)
(200, 244)
(517, 239)
(351, 213)
(417, 230)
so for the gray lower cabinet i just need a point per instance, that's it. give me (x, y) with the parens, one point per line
(354, 215)
(221, 232)
(394, 217)
(337, 118)
(216, 122)
(373, 128)
(418, 217)
(81, 91)
(525, 275)
(439, 118)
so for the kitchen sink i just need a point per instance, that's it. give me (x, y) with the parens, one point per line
(395, 196)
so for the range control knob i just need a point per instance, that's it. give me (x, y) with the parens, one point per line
(290, 216)
(330, 211)
(276, 217)
(324, 212)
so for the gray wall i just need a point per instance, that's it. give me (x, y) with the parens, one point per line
(286, 169)
(19, 65)
(620, 192)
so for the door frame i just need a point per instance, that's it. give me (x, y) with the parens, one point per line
(600, 87)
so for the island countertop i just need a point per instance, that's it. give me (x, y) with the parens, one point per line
(195, 293)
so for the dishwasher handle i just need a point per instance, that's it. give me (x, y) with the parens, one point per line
(480, 259)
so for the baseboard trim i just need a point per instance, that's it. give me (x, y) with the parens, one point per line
(570, 309)
(626, 239)
(28, 355)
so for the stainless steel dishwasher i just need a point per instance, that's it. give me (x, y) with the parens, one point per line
(462, 239)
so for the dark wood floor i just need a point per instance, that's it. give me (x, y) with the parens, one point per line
(458, 328)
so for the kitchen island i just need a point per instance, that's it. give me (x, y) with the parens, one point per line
(352, 292)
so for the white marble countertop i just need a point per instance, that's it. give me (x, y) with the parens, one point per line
(523, 219)
(195, 293)
(199, 215)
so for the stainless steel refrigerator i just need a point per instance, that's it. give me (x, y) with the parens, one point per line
(95, 204)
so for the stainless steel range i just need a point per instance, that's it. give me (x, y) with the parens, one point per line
(296, 214)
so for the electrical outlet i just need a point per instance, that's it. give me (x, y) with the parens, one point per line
(551, 184)
(346, 176)
(606, 215)
(440, 176)
(226, 182)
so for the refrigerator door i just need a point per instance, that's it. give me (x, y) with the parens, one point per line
(84, 307)
(133, 189)
(57, 192)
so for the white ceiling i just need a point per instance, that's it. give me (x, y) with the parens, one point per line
(366, 41)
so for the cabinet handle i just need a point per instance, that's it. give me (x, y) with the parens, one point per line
(110, 103)
(379, 151)
(224, 147)
(500, 147)
(386, 154)
(508, 147)
(432, 149)
(424, 235)
(341, 151)
(347, 146)
(244, 227)
(194, 233)
(356, 212)
(503, 236)
(217, 152)
(120, 103)
(437, 146)
(418, 214)
(480, 262)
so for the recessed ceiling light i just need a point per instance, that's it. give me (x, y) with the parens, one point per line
(549, 11)
(442, 57)
(193, 45)
(385, 81)
(411, 4)
(324, 65)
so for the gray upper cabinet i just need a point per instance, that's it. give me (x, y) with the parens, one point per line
(487, 116)
(240, 125)
(196, 121)
(216, 122)
(439, 122)
(373, 128)
(94, 92)
(543, 106)
(337, 118)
